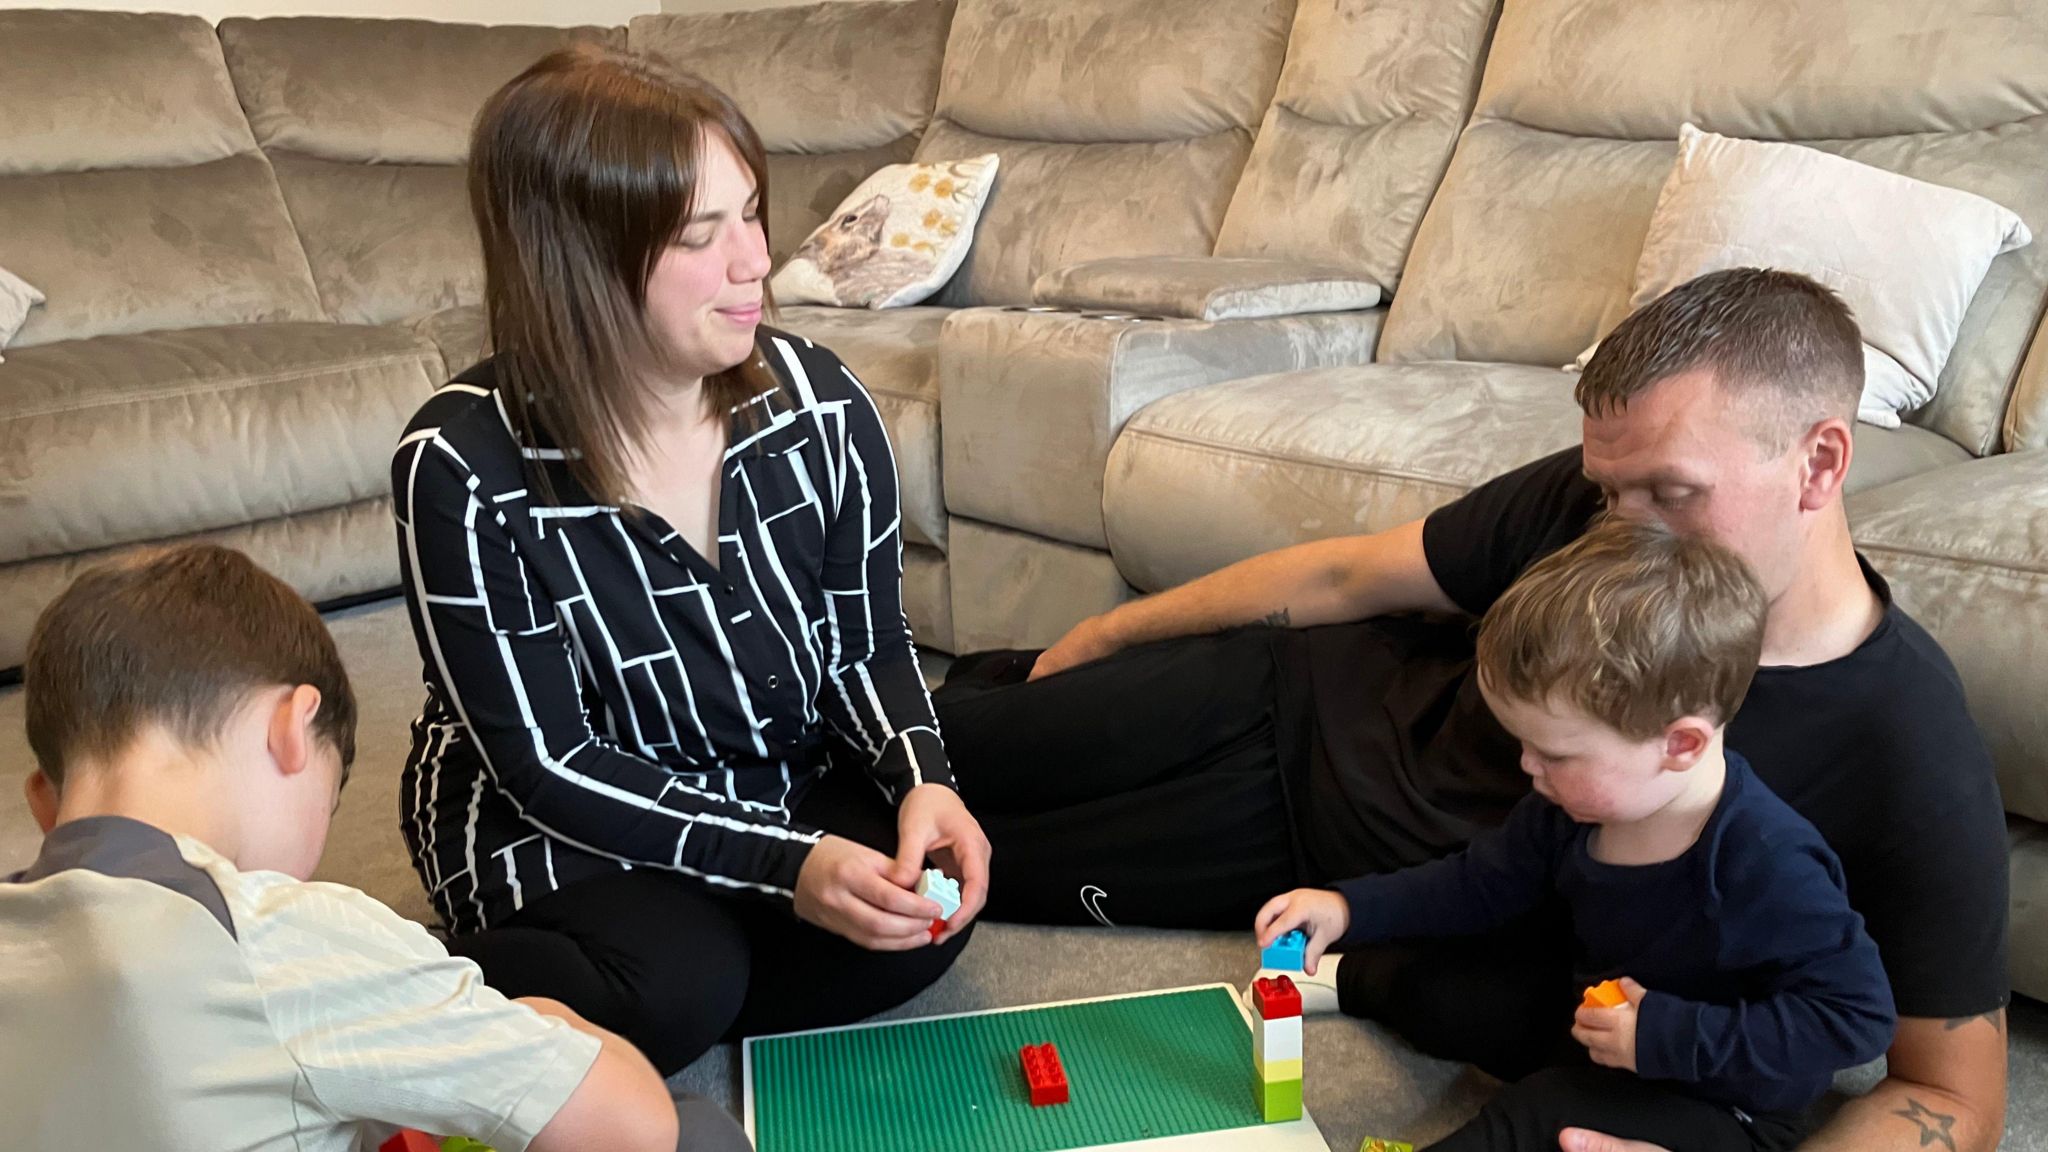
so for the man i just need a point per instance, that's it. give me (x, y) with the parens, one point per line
(1168, 771)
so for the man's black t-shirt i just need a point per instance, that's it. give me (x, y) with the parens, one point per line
(1875, 748)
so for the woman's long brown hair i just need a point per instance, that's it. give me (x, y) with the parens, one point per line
(582, 170)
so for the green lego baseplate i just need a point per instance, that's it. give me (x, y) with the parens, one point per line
(1164, 1064)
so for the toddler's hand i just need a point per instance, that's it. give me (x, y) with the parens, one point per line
(1320, 913)
(1609, 1034)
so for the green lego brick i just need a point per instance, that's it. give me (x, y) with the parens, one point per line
(464, 1144)
(1374, 1144)
(1278, 1099)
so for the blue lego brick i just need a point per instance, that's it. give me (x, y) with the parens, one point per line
(1285, 954)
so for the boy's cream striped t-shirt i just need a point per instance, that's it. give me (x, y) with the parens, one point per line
(153, 996)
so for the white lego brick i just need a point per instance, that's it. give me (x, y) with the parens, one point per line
(943, 890)
(1276, 1039)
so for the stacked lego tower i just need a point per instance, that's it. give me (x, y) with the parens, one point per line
(1276, 1047)
(1276, 1031)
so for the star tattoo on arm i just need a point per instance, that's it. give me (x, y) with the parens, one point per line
(1934, 1126)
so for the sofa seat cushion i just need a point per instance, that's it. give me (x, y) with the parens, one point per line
(458, 332)
(125, 438)
(328, 555)
(1887, 455)
(928, 596)
(1206, 477)
(896, 354)
(1966, 551)
(1036, 398)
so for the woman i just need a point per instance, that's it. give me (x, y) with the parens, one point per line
(677, 767)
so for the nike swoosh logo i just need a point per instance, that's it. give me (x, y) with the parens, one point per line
(1091, 899)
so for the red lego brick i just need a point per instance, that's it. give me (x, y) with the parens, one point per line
(938, 929)
(1277, 998)
(411, 1141)
(1042, 1071)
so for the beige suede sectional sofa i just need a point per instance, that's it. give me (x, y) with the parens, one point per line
(258, 260)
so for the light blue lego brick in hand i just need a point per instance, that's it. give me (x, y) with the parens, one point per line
(944, 891)
(1286, 953)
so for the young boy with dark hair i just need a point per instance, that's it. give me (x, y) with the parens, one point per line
(173, 983)
(1747, 980)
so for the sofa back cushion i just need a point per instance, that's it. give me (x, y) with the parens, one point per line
(2026, 422)
(1527, 252)
(837, 91)
(1359, 132)
(1123, 126)
(367, 124)
(88, 90)
(131, 191)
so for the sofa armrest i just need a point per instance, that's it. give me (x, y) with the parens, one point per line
(1205, 287)
(1965, 550)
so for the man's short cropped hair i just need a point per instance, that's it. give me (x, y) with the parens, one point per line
(1776, 339)
(1630, 624)
(177, 638)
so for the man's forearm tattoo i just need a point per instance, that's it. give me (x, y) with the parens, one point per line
(1934, 1126)
(1278, 619)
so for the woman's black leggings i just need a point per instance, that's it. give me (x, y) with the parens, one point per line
(676, 967)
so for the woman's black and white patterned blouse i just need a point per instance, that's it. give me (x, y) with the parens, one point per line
(599, 696)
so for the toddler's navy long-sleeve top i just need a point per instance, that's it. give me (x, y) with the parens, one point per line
(1762, 982)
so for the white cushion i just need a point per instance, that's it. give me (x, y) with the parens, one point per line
(17, 296)
(896, 240)
(1905, 255)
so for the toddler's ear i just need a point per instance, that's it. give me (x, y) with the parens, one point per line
(1686, 740)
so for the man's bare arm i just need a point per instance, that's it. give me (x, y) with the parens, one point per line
(1945, 1090)
(1321, 582)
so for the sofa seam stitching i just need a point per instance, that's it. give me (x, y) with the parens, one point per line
(157, 540)
(229, 385)
(1289, 458)
(1927, 554)
(1476, 117)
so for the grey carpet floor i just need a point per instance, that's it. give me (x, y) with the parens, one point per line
(1360, 1081)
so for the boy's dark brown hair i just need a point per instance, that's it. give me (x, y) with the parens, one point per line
(583, 169)
(1630, 624)
(177, 637)
(1782, 342)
